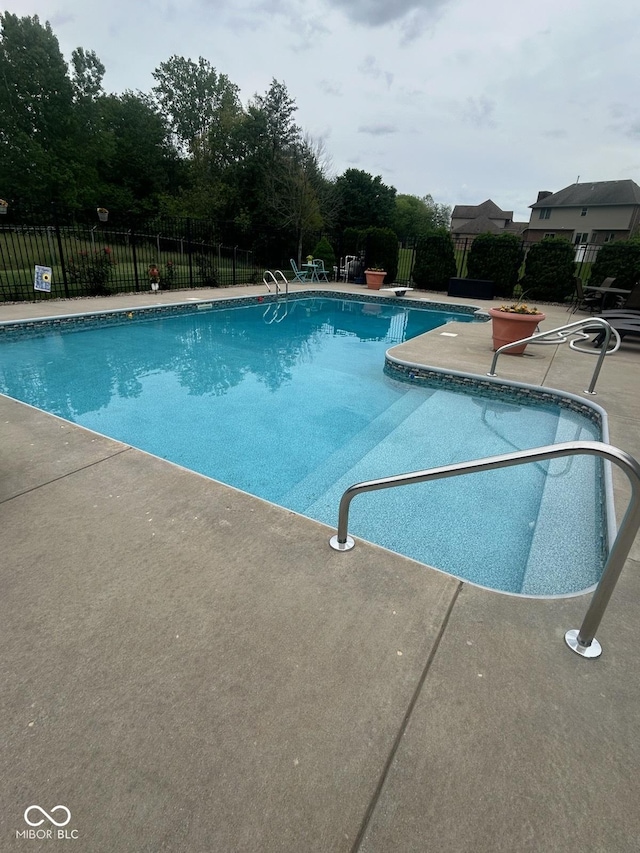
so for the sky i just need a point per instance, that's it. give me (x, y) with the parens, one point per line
(464, 100)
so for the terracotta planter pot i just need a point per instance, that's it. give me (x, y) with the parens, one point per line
(509, 327)
(374, 278)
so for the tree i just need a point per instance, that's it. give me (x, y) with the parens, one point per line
(88, 73)
(140, 164)
(37, 123)
(364, 201)
(415, 217)
(191, 96)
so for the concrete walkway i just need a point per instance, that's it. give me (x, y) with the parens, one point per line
(188, 668)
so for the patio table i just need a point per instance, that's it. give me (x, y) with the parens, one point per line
(615, 291)
(311, 270)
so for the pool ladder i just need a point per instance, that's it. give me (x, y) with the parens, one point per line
(277, 278)
(582, 641)
(561, 335)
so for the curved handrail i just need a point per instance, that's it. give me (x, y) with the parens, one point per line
(581, 641)
(272, 277)
(561, 338)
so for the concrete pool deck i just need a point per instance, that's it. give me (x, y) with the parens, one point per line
(188, 668)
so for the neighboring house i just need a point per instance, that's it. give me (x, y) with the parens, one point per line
(587, 213)
(487, 218)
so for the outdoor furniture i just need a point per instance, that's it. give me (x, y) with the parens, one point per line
(475, 288)
(624, 324)
(606, 289)
(298, 274)
(311, 271)
(320, 271)
(581, 301)
(347, 268)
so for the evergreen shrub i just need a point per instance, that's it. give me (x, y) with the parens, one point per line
(435, 261)
(618, 259)
(550, 270)
(497, 258)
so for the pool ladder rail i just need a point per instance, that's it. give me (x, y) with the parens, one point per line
(277, 279)
(561, 335)
(582, 641)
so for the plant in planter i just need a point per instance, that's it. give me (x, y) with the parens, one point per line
(374, 277)
(4, 206)
(103, 214)
(513, 323)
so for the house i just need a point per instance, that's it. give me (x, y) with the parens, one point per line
(595, 212)
(467, 221)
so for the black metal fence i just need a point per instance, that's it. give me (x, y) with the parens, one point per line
(88, 257)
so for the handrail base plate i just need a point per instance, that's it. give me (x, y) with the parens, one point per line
(592, 651)
(341, 546)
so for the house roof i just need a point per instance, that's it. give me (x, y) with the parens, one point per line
(488, 208)
(595, 194)
(478, 225)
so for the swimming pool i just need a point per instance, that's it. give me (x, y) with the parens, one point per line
(289, 401)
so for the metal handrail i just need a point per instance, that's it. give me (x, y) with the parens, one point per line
(581, 641)
(561, 338)
(274, 281)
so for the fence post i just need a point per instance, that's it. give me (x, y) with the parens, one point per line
(189, 252)
(134, 257)
(235, 249)
(63, 266)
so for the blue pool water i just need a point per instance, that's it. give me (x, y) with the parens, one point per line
(291, 404)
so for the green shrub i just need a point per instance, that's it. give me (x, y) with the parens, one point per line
(324, 251)
(435, 261)
(498, 258)
(550, 270)
(381, 251)
(207, 270)
(351, 241)
(621, 260)
(91, 270)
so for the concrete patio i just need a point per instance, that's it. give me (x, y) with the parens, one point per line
(188, 668)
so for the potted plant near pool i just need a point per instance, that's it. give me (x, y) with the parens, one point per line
(374, 276)
(512, 323)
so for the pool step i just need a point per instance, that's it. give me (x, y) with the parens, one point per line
(562, 544)
(306, 492)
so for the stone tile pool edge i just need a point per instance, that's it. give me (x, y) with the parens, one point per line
(115, 316)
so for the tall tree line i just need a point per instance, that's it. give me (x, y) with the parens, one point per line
(189, 148)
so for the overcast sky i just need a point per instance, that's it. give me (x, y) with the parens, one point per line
(463, 99)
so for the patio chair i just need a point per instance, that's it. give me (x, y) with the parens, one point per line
(581, 302)
(347, 267)
(298, 275)
(321, 273)
(624, 324)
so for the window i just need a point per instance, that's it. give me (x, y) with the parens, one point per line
(550, 234)
(584, 210)
(580, 238)
(545, 213)
(609, 238)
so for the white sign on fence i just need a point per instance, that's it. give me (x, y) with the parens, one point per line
(42, 279)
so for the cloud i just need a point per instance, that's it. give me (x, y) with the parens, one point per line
(375, 13)
(330, 88)
(370, 68)
(479, 111)
(378, 129)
